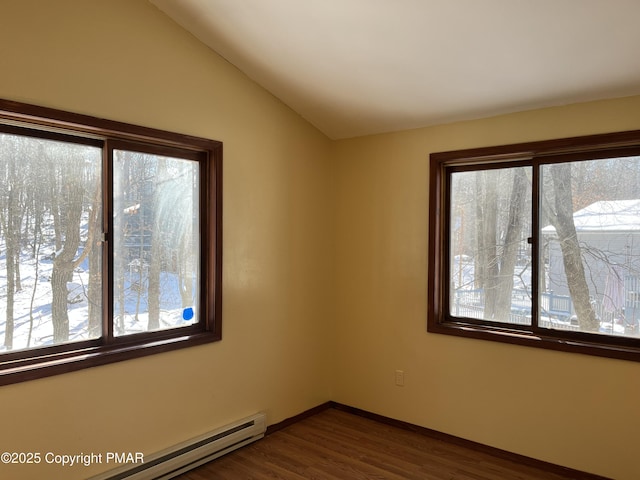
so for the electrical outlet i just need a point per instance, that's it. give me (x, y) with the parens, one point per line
(400, 378)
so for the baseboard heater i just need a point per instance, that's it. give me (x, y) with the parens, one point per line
(190, 454)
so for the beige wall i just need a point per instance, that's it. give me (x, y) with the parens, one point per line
(125, 60)
(570, 409)
(324, 266)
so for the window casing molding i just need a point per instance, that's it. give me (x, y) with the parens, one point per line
(40, 122)
(533, 154)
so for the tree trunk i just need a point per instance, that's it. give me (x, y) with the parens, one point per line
(185, 282)
(571, 253)
(12, 235)
(63, 263)
(488, 243)
(11, 273)
(157, 252)
(94, 243)
(60, 276)
(511, 244)
(480, 258)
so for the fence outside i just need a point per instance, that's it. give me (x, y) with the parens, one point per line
(619, 317)
(556, 310)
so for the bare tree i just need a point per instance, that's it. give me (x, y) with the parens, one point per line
(157, 250)
(73, 182)
(11, 217)
(69, 215)
(94, 248)
(561, 217)
(512, 240)
(499, 225)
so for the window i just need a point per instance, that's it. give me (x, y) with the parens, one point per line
(110, 241)
(539, 244)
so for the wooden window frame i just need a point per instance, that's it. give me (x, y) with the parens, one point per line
(534, 154)
(22, 365)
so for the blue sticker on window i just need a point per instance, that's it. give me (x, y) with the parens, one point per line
(187, 313)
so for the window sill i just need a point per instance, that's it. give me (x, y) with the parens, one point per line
(579, 343)
(48, 364)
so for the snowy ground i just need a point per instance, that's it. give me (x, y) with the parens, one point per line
(32, 304)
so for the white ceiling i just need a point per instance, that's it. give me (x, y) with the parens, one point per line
(357, 67)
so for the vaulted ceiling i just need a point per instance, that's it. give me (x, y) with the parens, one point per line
(358, 67)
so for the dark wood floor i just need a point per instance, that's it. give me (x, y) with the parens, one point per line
(337, 445)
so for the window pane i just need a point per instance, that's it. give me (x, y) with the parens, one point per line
(590, 266)
(50, 242)
(156, 242)
(490, 258)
